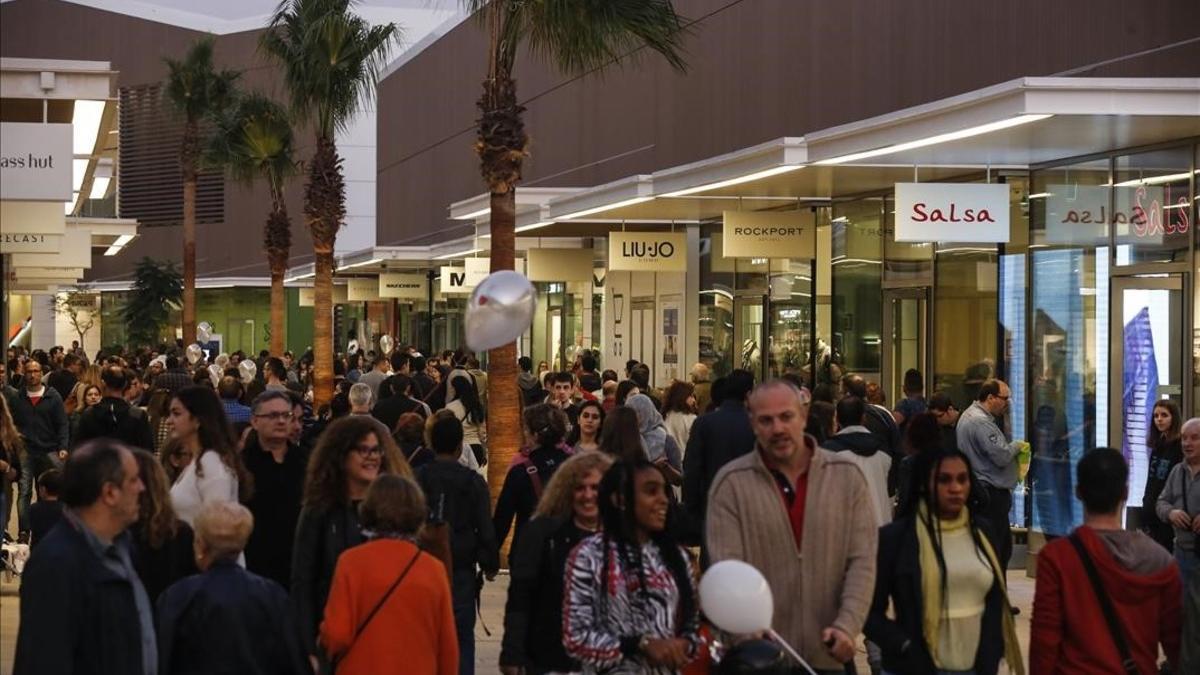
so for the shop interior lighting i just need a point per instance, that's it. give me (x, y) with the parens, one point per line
(1157, 180)
(934, 140)
(85, 126)
(364, 263)
(474, 214)
(773, 171)
(605, 207)
(119, 244)
(1040, 195)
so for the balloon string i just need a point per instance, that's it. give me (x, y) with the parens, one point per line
(792, 652)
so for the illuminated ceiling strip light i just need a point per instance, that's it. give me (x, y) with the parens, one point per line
(300, 277)
(99, 188)
(1156, 180)
(119, 244)
(605, 207)
(69, 207)
(448, 256)
(533, 226)
(78, 173)
(773, 171)
(934, 140)
(1041, 195)
(85, 126)
(372, 261)
(474, 214)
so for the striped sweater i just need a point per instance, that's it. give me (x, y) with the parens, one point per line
(598, 617)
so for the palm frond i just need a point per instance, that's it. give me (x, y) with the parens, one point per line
(253, 139)
(195, 86)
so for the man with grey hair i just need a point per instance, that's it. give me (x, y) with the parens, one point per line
(788, 490)
(278, 467)
(1189, 652)
(703, 387)
(360, 404)
(83, 607)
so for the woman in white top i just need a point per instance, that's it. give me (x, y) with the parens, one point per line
(679, 411)
(216, 472)
(463, 401)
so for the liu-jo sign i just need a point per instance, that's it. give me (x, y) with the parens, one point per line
(647, 252)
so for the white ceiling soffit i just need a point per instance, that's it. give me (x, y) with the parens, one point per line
(417, 18)
(1019, 123)
(759, 161)
(623, 192)
(478, 208)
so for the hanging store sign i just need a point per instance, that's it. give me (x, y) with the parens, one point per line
(403, 286)
(459, 280)
(32, 218)
(758, 234)
(308, 297)
(560, 264)
(958, 212)
(75, 250)
(30, 243)
(647, 252)
(360, 289)
(35, 162)
(1147, 214)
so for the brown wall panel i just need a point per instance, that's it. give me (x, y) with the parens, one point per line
(758, 70)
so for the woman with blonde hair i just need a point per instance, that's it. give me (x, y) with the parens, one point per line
(162, 543)
(11, 447)
(349, 456)
(567, 513)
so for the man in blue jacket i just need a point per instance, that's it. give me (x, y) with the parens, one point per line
(83, 608)
(40, 416)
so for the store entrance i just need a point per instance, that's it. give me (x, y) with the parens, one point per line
(907, 325)
(772, 337)
(1147, 364)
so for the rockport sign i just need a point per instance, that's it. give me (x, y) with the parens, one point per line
(768, 234)
(966, 212)
(647, 252)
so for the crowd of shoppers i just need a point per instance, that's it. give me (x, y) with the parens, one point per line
(181, 506)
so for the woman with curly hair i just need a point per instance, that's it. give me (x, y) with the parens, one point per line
(162, 543)
(349, 455)
(567, 513)
(216, 471)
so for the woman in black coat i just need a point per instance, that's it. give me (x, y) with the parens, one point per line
(162, 544)
(348, 456)
(567, 513)
(937, 556)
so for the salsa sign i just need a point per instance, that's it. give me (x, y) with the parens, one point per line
(959, 212)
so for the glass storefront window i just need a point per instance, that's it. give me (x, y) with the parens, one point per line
(909, 262)
(1069, 206)
(965, 310)
(857, 279)
(1152, 206)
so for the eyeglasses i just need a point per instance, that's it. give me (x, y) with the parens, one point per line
(368, 450)
(278, 416)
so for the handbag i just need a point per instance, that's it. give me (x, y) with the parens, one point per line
(1110, 614)
(374, 610)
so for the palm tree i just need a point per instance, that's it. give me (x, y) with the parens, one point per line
(252, 140)
(578, 36)
(197, 90)
(331, 60)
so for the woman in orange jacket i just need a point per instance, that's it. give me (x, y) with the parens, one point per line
(389, 608)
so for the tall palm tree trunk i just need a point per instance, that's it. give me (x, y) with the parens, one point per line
(278, 244)
(504, 403)
(325, 209)
(189, 258)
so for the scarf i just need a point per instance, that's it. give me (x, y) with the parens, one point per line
(931, 589)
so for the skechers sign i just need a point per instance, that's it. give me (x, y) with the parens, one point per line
(959, 212)
(647, 252)
(768, 234)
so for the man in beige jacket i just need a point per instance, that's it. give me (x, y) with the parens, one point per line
(803, 516)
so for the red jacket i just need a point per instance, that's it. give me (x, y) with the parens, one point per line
(1069, 634)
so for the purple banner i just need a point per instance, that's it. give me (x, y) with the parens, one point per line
(1138, 393)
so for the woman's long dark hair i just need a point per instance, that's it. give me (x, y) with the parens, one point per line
(922, 434)
(464, 389)
(620, 436)
(215, 434)
(616, 498)
(675, 400)
(574, 436)
(1156, 438)
(922, 490)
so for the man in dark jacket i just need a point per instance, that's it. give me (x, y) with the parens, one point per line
(458, 497)
(83, 608)
(113, 417)
(64, 378)
(278, 469)
(395, 400)
(41, 418)
(717, 438)
(175, 378)
(531, 387)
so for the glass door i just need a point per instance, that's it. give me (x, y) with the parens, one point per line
(1147, 364)
(906, 322)
(748, 337)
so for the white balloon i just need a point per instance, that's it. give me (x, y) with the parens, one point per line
(500, 310)
(352, 348)
(248, 370)
(214, 374)
(203, 332)
(386, 343)
(735, 596)
(194, 354)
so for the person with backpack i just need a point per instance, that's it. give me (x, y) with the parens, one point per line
(113, 417)
(545, 427)
(1106, 597)
(458, 497)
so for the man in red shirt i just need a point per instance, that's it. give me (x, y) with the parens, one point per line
(1071, 630)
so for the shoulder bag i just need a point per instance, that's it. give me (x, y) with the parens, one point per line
(371, 615)
(1110, 614)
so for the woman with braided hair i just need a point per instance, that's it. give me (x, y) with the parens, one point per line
(631, 604)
